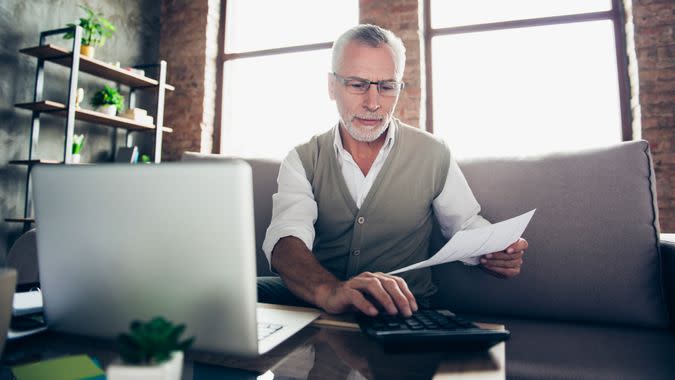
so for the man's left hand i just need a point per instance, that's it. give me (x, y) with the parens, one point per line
(506, 263)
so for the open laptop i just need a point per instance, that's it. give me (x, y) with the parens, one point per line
(118, 243)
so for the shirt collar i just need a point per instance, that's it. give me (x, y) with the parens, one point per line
(388, 141)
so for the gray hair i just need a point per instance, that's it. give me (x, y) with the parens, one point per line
(373, 36)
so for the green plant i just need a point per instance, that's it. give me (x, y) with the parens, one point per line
(145, 159)
(151, 342)
(78, 141)
(96, 28)
(108, 95)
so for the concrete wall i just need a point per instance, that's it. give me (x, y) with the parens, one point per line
(136, 41)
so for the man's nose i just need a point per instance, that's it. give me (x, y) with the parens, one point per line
(372, 98)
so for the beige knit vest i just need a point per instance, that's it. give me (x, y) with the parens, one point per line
(392, 228)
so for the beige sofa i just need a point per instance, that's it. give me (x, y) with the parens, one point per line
(597, 284)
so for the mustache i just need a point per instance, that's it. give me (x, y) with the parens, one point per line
(368, 116)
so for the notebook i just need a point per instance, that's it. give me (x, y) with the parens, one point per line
(118, 243)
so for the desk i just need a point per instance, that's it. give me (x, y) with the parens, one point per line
(331, 348)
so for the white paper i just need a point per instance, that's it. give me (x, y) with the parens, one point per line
(477, 242)
(27, 302)
(11, 334)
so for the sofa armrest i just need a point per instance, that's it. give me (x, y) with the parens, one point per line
(668, 263)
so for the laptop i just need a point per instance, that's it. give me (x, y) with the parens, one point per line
(118, 243)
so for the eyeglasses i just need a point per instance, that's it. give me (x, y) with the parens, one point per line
(360, 86)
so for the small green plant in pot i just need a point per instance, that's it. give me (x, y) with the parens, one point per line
(95, 31)
(108, 100)
(78, 142)
(151, 350)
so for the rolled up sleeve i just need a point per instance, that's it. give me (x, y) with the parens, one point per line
(294, 210)
(456, 207)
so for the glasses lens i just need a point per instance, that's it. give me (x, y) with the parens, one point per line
(389, 88)
(356, 86)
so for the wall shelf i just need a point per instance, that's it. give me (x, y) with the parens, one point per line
(92, 66)
(35, 162)
(91, 116)
(77, 63)
(20, 220)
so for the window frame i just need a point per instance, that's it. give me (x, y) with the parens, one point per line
(615, 14)
(223, 57)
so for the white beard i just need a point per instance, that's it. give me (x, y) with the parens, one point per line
(363, 134)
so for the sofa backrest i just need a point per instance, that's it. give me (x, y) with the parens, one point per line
(593, 240)
(593, 252)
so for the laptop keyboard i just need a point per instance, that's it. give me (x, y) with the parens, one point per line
(428, 326)
(267, 329)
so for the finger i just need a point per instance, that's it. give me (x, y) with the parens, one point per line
(401, 301)
(361, 303)
(504, 256)
(406, 292)
(373, 287)
(506, 272)
(520, 245)
(516, 263)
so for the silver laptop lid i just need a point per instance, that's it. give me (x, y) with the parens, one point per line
(123, 242)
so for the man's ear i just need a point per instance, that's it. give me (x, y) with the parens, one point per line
(331, 86)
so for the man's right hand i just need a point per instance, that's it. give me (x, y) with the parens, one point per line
(365, 293)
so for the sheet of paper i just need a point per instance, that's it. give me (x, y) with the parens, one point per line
(11, 334)
(27, 302)
(477, 242)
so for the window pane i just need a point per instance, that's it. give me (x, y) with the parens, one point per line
(528, 90)
(448, 13)
(273, 103)
(266, 24)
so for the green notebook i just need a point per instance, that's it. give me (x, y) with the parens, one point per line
(66, 368)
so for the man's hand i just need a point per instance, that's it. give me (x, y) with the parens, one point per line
(362, 291)
(506, 263)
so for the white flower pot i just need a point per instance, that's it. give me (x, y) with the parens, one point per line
(108, 109)
(170, 370)
(76, 158)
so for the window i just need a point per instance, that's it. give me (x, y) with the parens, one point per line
(275, 73)
(525, 77)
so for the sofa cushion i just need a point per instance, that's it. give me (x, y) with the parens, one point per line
(593, 252)
(560, 350)
(265, 173)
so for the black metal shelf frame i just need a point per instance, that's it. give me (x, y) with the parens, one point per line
(70, 114)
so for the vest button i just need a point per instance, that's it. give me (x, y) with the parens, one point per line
(357, 252)
(360, 220)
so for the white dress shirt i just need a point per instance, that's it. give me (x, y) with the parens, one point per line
(295, 211)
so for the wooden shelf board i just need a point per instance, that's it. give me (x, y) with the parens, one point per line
(19, 220)
(43, 106)
(93, 66)
(35, 162)
(59, 109)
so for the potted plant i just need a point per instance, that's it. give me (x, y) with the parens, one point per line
(108, 101)
(78, 141)
(150, 351)
(95, 28)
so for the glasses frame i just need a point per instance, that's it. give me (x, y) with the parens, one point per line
(379, 84)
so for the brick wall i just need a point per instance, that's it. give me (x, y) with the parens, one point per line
(403, 18)
(188, 42)
(654, 22)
